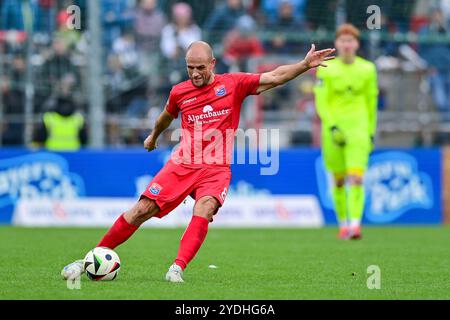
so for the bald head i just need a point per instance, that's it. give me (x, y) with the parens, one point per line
(199, 49)
(200, 63)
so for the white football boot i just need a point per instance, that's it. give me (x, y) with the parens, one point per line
(73, 270)
(175, 274)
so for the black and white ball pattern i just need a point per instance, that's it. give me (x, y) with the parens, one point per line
(101, 264)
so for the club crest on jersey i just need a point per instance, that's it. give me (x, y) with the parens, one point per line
(155, 189)
(207, 108)
(220, 90)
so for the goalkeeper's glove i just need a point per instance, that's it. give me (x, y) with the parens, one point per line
(338, 136)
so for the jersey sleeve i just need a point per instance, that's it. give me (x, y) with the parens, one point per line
(172, 105)
(372, 99)
(246, 83)
(322, 94)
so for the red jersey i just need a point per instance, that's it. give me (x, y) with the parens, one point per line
(210, 117)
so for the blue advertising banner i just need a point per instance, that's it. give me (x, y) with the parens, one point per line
(402, 186)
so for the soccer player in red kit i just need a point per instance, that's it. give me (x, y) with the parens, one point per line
(209, 105)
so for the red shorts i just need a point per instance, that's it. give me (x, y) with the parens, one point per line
(175, 182)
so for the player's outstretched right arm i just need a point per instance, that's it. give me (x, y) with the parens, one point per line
(162, 123)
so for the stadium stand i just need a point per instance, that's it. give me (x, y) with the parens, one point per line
(42, 60)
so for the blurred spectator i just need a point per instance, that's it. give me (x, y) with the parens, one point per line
(437, 55)
(307, 109)
(271, 9)
(242, 43)
(17, 70)
(118, 81)
(400, 13)
(45, 11)
(176, 38)
(149, 22)
(138, 106)
(180, 33)
(387, 47)
(13, 101)
(118, 78)
(223, 19)
(11, 15)
(125, 48)
(117, 15)
(201, 9)
(70, 37)
(58, 70)
(62, 129)
(284, 23)
(445, 7)
(148, 25)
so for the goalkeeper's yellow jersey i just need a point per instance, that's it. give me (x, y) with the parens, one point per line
(346, 95)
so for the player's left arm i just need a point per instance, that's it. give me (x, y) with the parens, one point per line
(285, 73)
(372, 101)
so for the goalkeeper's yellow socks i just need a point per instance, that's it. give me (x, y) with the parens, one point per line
(340, 205)
(355, 204)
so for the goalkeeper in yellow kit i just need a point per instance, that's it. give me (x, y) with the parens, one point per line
(346, 100)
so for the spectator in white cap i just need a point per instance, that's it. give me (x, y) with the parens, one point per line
(180, 33)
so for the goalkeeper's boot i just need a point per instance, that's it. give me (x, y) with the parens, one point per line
(73, 270)
(355, 233)
(175, 274)
(344, 233)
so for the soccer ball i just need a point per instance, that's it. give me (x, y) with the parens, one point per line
(101, 263)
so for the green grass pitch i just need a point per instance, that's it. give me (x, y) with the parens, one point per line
(251, 264)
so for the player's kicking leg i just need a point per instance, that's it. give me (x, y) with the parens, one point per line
(204, 210)
(121, 230)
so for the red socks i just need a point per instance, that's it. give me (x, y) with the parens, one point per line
(120, 231)
(191, 241)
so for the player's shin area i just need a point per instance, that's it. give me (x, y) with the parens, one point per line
(212, 146)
